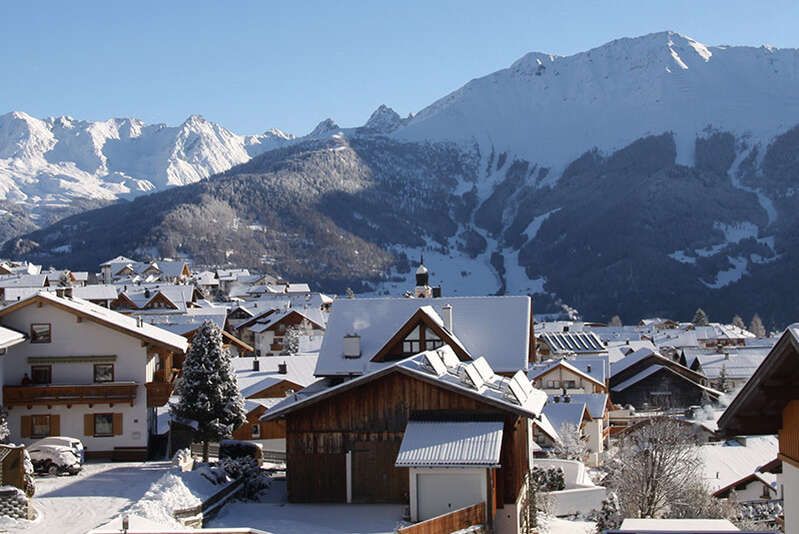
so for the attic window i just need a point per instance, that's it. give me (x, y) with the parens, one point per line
(421, 338)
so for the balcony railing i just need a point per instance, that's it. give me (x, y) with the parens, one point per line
(58, 394)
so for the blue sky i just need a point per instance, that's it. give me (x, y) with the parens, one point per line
(256, 65)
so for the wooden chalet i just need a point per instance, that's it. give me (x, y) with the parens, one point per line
(648, 379)
(431, 430)
(769, 404)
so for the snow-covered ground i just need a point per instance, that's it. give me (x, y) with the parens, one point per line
(555, 525)
(276, 516)
(75, 505)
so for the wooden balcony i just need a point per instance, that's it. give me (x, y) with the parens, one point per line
(57, 394)
(158, 393)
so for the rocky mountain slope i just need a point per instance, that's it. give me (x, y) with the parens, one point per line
(647, 176)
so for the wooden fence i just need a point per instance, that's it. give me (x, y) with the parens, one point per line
(451, 522)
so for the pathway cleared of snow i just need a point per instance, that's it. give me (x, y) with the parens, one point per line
(276, 516)
(76, 505)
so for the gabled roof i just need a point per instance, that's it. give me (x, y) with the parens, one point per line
(425, 315)
(596, 403)
(495, 327)
(657, 368)
(450, 444)
(545, 425)
(117, 260)
(10, 337)
(545, 368)
(105, 317)
(492, 392)
(757, 409)
(562, 413)
(299, 371)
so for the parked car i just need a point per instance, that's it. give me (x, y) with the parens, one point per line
(54, 459)
(63, 441)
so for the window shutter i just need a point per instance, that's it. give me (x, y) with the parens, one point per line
(88, 424)
(117, 424)
(55, 425)
(25, 426)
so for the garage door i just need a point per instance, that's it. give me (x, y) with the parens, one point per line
(441, 493)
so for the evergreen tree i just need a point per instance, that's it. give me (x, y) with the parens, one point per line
(756, 326)
(207, 388)
(291, 339)
(615, 321)
(738, 322)
(350, 294)
(700, 318)
(4, 432)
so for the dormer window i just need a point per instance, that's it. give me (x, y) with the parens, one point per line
(420, 339)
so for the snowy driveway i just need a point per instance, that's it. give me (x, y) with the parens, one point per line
(75, 505)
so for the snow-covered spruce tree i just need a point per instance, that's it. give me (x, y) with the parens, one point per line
(738, 322)
(4, 432)
(756, 326)
(207, 389)
(291, 339)
(615, 321)
(700, 318)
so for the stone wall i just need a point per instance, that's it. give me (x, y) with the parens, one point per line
(14, 503)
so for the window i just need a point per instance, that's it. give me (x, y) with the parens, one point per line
(256, 431)
(103, 372)
(41, 374)
(103, 425)
(432, 341)
(40, 426)
(412, 343)
(40, 333)
(569, 384)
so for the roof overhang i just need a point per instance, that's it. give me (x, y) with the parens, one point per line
(451, 444)
(757, 409)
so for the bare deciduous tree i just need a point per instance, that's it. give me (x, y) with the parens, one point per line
(572, 445)
(654, 468)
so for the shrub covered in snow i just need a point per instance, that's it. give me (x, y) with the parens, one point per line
(247, 469)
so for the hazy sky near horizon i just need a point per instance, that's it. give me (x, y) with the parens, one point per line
(253, 65)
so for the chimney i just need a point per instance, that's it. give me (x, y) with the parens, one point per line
(352, 346)
(447, 311)
(437, 292)
(139, 321)
(282, 368)
(588, 368)
(256, 364)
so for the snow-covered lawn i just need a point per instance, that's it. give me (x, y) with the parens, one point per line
(75, 505)
(276, 516)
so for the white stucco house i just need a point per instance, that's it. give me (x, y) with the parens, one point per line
(85, 371)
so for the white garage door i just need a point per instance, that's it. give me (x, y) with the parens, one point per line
(441, 493)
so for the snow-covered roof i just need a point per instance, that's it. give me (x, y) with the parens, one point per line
(95, 292)
(9, 337)
(515, 394)
(733, 364)
(594, 402)
(656, 368)
(545, 425)
(728, 462)
(495, 327)
(450, 444)
(23, 280)
(299, 370)
(619, 349)
(677, 525)
(104, 316)
(631, 359)
(562, 413)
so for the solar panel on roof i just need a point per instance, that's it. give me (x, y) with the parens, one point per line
(448, 356)
(434, 363)
(520, 378)
(514, 392)
(469, 375)
(483, 367)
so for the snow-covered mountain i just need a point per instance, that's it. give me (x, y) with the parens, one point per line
(55, 160)
(549, 109)
(649, 176)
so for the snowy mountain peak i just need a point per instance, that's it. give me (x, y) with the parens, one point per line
(384, 120)
(326, 126)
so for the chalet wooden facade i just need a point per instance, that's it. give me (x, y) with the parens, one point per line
(769, 404)
(342, 442)
(647, 379)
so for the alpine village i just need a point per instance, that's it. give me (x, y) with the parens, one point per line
(560, 299)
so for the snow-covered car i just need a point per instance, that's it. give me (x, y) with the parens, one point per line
(54, 459)
(63, 441)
